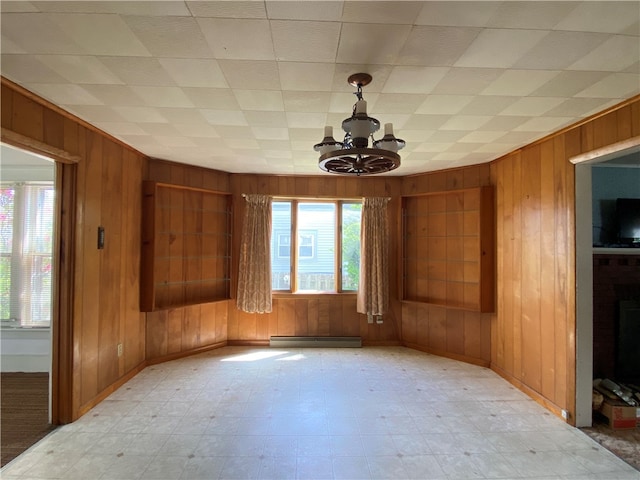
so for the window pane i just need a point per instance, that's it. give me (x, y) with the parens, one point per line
(281, 246)
(351, 214)
(316, 247)
(5, 287)
(6, 219)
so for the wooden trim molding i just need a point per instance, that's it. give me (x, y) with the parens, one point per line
(607, 152)
(37, 147)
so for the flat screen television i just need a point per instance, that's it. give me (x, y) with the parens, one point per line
(628, 213)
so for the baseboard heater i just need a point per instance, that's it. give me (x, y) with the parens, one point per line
(324, 342)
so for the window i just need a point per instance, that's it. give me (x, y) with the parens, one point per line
(26, 244)
(324, 255)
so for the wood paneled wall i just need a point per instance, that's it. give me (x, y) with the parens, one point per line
(104, 311)
(463, 335)
(177, 331)
(533, 329)
(320, 315)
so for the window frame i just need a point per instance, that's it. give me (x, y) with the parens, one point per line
(295, 247)
(25, 257)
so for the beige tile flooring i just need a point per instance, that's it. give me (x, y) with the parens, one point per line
(369, 413)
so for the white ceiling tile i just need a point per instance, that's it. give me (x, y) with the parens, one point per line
(313, 10)
(162, 96)
(64, 94)
(426, 122)
(101, 34)
(517, 139)
(18, 6)
(278, 154)
(371, 44)
(567, 84)
(543, 124)
(398, 120)
(578, 107)
(558, 50)
(503, 123)
(480, 136)
(616, 85)
(308, 120)
(158, 129)
(251, 75)
(501, 148)
(444, 104)
(404, 79)
(301, 145)
(173, 141)
(170, 36)
(436, 46)
(97, 113)
(227, 9)
(191, 72)
(213, 98)
(306, 76)
(465, 122)
(466, 81)
(238, 39)
(140, 114)
(184, 116)
(114, 94)
(27, 69)
(241, 143)
(617, 53)
(51, 39)
(519, 82)
(138, 70)
(396, 103)
(213, 145)
(79, 69)
(120, 128)
(432, 147)
(530, 14)
(446, 136)
(306, 134)
(164, 7)
(381, 12)
(533, 106)
(487, 105)
(274, 144)
(305, 41)
(499, 48)
(463, 14)
(231, 131)
(259, 99)
(204, 130)
(265, 118)
(270, 133)
(224, 117)
(9, 46)
(603, 16)
(306, 101)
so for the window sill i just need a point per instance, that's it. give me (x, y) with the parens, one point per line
(311, 294)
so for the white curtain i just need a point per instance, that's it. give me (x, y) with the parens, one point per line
(373, 292)
(254, 278)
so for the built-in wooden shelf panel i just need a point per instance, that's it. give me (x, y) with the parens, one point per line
(186, 246)
(448, 249)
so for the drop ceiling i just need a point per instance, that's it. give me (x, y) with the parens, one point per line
(247, 86)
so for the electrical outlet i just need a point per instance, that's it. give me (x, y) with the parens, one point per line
(119, 349)
(565, 414)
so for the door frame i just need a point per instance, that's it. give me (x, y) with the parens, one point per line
(65, 187)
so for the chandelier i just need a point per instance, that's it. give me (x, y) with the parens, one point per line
(353, 155)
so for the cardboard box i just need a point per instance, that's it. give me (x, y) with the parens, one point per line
(620, 415)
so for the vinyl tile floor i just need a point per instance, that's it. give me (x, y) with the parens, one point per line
(315, 413)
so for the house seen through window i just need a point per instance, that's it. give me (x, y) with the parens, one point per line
(324, 255)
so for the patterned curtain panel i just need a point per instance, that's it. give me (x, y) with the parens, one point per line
(254, 279)
(373, 292)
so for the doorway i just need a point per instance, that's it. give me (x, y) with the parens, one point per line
(27, 245)
(584, 268)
